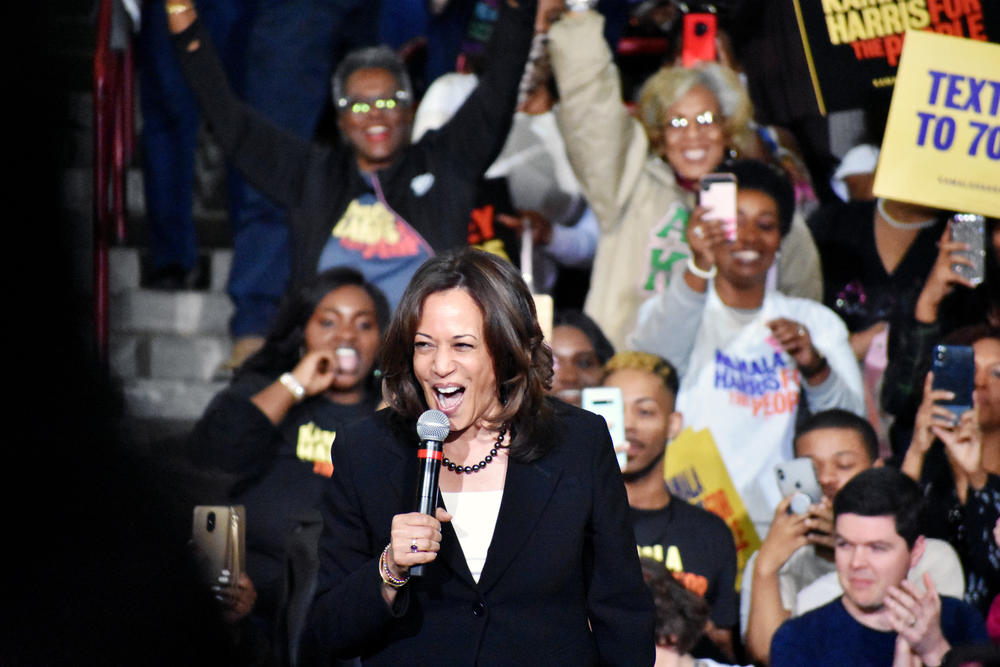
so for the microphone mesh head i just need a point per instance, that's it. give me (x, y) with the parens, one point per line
(433, 425)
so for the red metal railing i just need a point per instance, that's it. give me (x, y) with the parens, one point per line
(113, 144)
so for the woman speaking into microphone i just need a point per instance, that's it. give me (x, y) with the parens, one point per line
(530, 558)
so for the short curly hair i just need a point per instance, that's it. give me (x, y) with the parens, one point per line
(663, 89)
(371, 57)
(644, 361)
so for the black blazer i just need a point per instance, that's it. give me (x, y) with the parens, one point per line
(561, 584)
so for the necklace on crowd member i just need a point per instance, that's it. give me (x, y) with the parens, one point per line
(454, 467)
(902, 224)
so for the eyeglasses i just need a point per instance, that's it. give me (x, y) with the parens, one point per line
(704, 120)
(362, 106)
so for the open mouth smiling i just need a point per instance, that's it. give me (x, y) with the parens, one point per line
(449, 397)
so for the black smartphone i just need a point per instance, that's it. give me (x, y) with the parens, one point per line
(955, 370)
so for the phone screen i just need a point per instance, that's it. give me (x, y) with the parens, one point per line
(954, 369)
(717, 193)
(608, 402)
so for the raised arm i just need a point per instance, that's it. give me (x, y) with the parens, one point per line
(679, 309)
(606, 146)
(270, 158)
(767, 612)
(913, 334)
(477, 132)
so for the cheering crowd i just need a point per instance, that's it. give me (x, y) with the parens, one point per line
(416, 254)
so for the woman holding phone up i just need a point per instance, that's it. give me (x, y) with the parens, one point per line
(748, 356)
(640, 174)
(957, 460)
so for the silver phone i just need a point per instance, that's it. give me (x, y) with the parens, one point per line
(970, 229)
(798, 479)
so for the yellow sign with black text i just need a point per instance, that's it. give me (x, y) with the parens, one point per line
(942, 139)
(694, 470)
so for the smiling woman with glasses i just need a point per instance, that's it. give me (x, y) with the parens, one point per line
(640, 174)
(375, 202)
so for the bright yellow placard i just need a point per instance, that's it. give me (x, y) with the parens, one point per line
(942, 140)
(694, 471)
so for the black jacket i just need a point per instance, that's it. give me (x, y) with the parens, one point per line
(561, 583)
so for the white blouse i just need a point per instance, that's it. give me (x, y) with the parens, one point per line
(474, 517)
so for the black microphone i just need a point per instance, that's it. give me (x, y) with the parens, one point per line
(432, 429)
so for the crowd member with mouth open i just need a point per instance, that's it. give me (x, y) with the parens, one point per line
(639, 174)
(747, 354)
(270, 430)
(380, 203)
(530, 558)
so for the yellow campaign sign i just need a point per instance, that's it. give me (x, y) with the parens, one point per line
(694, 471)
(942, 139)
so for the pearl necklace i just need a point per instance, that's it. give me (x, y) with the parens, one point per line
(900, 224)
(468, 470)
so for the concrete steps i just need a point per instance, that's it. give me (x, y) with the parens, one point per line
(165, 347)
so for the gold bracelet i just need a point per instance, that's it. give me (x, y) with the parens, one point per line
(178, 8)
(387, 576)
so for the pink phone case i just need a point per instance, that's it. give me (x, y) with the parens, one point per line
(718, 194)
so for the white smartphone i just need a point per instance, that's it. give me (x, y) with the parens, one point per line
(798, 477)
(607, 402)
(717, 193)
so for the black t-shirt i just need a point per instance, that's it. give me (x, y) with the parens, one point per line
(278, 471)
(690, 540)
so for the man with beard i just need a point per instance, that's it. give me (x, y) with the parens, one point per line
(693, 543)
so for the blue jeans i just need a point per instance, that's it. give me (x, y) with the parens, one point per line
(170, 124)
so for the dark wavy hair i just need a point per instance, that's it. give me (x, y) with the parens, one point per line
(283, 347)
(522, 364)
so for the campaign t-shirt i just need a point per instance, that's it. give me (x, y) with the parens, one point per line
(698, 547)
